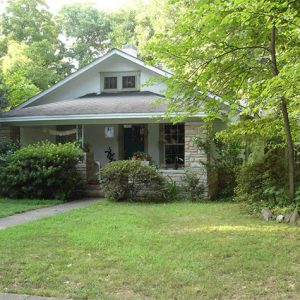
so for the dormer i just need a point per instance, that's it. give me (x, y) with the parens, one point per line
(120, 81)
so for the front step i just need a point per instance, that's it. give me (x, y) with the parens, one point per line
(93, 191)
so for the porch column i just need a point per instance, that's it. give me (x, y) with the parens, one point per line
(9, 133)
(194, 156)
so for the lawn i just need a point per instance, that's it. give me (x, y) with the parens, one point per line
(10, 207)
(152, 251)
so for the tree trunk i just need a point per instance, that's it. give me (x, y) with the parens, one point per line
(290, 148)
(287, 127)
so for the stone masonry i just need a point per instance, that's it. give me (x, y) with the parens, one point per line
(9, 133)
(193, 157)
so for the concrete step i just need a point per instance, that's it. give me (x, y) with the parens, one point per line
(93, 193)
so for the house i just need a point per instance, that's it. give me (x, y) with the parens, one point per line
(108, 106)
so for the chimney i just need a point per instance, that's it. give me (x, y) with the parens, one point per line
(130, 49)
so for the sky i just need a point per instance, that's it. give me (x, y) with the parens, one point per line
(107, 5)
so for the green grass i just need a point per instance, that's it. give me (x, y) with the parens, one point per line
(152, 251)
(10, 207)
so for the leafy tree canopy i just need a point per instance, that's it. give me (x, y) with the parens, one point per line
(86, 30)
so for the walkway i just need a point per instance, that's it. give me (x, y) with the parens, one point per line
(24, 297)
(41, 213)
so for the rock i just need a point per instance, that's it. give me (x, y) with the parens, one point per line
(287, 216)
(295, 217)
(279, 218)
(266, 214)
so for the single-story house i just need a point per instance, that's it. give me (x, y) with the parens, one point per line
(108, 106)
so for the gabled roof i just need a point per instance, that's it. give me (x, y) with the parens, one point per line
(91, 65)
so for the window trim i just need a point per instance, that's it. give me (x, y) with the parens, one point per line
(167, 166)
(120, 76)
(110, 77)
(129, 88)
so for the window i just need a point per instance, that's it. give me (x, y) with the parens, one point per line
(128, 82)
(110, 83)
(174, 145)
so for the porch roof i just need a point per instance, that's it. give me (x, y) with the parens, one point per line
(116, 108)
(108, 103)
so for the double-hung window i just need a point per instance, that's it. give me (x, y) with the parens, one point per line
(174, 145)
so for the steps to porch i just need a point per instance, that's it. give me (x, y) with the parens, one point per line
(93, 191)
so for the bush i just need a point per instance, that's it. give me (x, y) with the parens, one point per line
(170, 191)
(224, 160)
(192, 185)
(43, 170)
(263, 183)
(7, 147)
(130, 180)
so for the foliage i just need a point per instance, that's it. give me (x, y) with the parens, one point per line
(43, 170)
(87, 29)
(263, 183)
(193, 186)
(170, 191)
(32, 56)
(130, 180)
(123, 25)
(7, 147)
(242, 60)
(28, 21)
(141, 155)
(223, 159)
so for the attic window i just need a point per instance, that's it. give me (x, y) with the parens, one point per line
(110, 83)
(128, 82)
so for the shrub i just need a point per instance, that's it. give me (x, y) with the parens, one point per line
(263, 183)
(43, 170)
(170, 191)
(8, 147)
(224, 160)
(131, 180)
(192, 185)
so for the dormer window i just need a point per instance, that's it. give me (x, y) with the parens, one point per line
(110, 83)
(128, 82)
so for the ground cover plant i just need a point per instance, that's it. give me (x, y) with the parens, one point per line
(180, 250)
(10, 207)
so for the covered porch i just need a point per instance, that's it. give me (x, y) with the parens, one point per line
(168, 147)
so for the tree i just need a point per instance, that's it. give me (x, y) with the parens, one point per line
(87, 32)
(30, 50)
(28, 21)
(154, 17)
(123, 24)
(238, 56)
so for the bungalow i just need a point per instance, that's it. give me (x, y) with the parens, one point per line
(109, 108)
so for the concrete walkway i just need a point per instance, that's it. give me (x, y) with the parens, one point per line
(24, 297)
(41, 213)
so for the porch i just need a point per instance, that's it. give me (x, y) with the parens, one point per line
(170, 148)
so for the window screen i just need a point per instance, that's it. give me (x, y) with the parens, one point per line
(128, 82)
(174, 144)
(110, 83)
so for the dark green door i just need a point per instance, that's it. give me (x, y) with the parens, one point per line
(134, 140)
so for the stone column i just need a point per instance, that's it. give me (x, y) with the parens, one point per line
(194, 156)
(9, 133)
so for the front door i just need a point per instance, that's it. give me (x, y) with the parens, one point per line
(134, 140)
